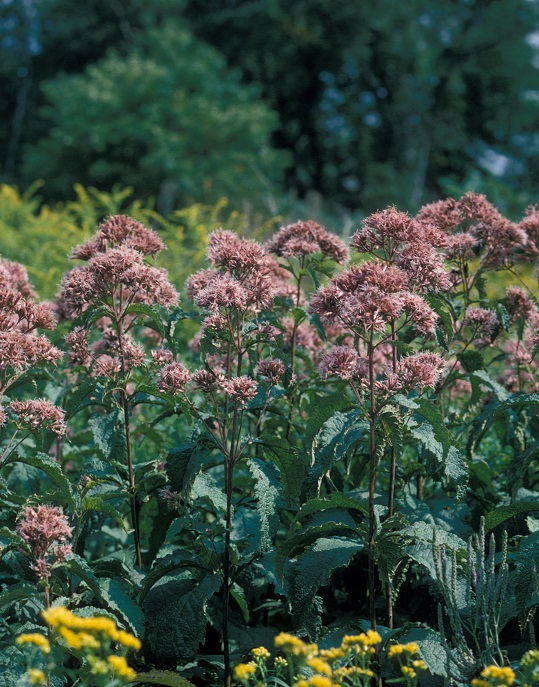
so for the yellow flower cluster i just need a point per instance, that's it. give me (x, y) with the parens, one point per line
(60, 618)
(409, 665)
(294, 645)
(37, 639)
(494, 676)
(396, 649)
(529, 664)
(345, 666)
(91, 636)
(243, 671)
(36, 677)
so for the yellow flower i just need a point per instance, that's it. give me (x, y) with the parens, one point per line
(411, 648)
(59, 615)
(319, 666)
(127, 639)
(261, 652)
(280, 662)
(476, 682)
(78, 640)
(36, 677)
(98, 624)
(332, 655)
(294, 645)
(121, 668)
(37, 639)
(503, 676)
(319, 681)
(301, 683)
(395, 650)
(408, 672)
(243, 671)
(419, 664)
(369, 638)
(98, 666)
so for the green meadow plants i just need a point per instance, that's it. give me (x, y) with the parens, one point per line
(309, 464)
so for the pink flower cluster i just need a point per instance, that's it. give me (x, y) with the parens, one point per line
(402, 241)
(472, 224)
(370, 296)
(39, 414)
(20, 317)
(303, 238)
(115, 276)
(243, 277)
(46, 532)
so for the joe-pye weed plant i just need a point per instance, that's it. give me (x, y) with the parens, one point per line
(308, 422)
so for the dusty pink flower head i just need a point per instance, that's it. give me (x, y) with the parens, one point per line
(162, 356)
(40, 414)
(133, 353)
(21, 351)
(520, 304)
(108, 272)
(446, 215)
(306, 237)
(424, 267)
(229, 251)
(481, 320)
(77, 343)
(419, 314)
(384, 230)
(14, 277)
(46, 531)
(241, 389)
(173, 378)
(207, 381)
(272, 369)
(420, 370)
(341, 361)
(120, 230)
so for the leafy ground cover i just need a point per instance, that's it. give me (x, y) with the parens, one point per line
(333, 483)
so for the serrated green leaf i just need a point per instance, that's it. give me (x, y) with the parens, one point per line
(526, 569)
(299, 540)
(162, 677)
(19, 591)
(322, 411)
(150, 312)
(292, 468)
(176, 618)
(335, 500)
(118, 599)
(503, 513)
(108, 436)
(79, 567)
(51, 468)
(269, 501)
(312, 570)
(471, 361)
(183, 465)
(422, 538)
(96, 503)
(337, 435)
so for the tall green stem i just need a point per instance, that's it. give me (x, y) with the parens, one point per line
(132, 491)
(372, 485)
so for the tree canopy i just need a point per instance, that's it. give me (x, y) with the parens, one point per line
(363, 102)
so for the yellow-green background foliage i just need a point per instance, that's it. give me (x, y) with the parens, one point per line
(41, 236)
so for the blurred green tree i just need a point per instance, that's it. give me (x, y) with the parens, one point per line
(390, 102)
(169, 118)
